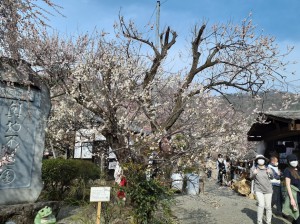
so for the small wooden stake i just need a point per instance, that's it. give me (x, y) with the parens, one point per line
(98, 213)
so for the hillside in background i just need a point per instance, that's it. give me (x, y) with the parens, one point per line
(269, 101)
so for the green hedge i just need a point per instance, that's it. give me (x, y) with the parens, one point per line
(59, 175)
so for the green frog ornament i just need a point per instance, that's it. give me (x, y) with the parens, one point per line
(45, 216)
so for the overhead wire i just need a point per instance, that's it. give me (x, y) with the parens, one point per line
(149, 21)
(164, 2)
(293, 80)
(155, 8)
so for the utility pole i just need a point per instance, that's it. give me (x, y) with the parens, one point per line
(157, 25)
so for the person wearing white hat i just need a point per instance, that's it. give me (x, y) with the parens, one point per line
(262, 175)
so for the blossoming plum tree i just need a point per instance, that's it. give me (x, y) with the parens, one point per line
(124, 80)
(119, 80)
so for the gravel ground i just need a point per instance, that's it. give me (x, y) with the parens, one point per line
(218, 205)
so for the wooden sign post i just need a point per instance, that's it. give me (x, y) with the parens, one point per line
(99, 194)
(98, 218)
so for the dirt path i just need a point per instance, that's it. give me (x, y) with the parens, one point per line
(217, 206)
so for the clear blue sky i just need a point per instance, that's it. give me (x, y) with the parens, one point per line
(277, 18)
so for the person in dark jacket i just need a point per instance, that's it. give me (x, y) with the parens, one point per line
(276, 185)
(292, 178)
(221, 169)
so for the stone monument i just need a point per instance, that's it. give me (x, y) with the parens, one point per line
(24, 108)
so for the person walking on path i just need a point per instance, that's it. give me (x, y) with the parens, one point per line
(228, 171)
(262, 175)
(276, 185)
(292, 183)
(221, 169)
(209, 167)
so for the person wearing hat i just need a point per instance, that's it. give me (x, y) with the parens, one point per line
(262, 175)
(292, 183)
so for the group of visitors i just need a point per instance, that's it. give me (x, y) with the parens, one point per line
(273, 187)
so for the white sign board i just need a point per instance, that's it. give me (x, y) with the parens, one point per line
(112, 165)
(100, 194)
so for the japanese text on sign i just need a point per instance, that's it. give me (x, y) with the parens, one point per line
(100, 194)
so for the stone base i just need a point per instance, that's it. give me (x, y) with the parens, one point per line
(25, 213)
(22, 195)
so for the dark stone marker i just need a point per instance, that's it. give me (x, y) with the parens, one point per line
(24, 108)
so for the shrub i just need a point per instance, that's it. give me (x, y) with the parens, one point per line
(146, 196)
(59, 174)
